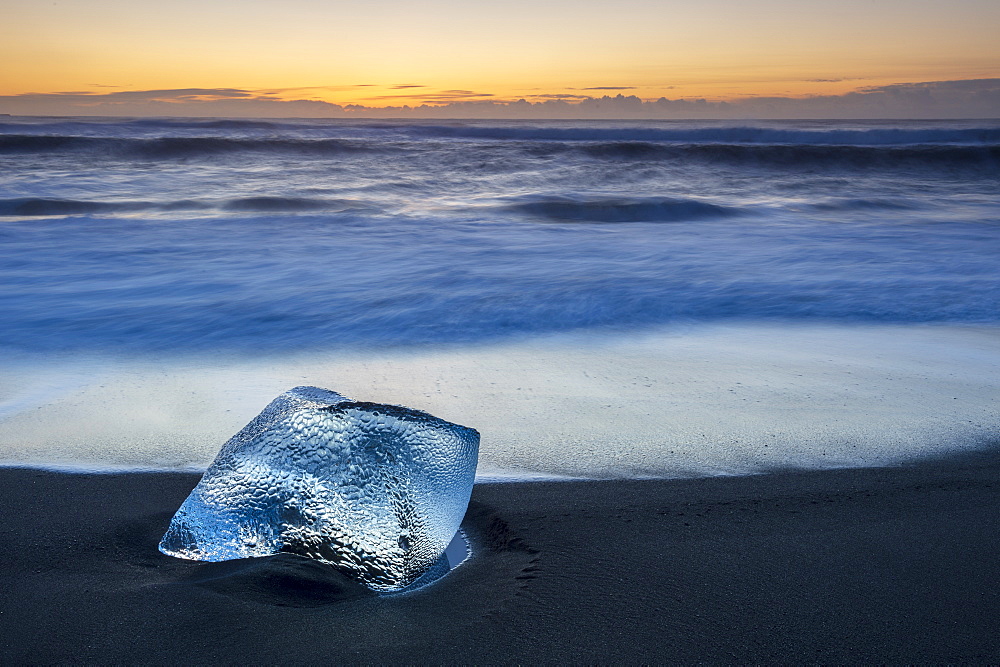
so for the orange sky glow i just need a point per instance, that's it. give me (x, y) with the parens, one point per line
(390, 53)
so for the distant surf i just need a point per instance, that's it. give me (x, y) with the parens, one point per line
(171, 148)
(971, 150)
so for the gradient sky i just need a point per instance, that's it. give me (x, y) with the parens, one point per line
(391, 52)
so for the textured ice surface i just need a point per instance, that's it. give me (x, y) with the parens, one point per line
(377, 491)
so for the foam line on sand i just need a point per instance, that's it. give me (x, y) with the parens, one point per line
(701, 401)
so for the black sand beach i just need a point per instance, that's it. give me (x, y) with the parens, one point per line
(894, 565)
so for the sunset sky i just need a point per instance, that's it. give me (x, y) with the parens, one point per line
(390, 53)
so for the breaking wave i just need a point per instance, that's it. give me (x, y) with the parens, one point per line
(623, 146)
(723, 135)
(38, 207)
(860, 156)
(849, 204)
(178, 147)
(633, 209)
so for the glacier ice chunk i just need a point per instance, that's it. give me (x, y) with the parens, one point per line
(378, 491)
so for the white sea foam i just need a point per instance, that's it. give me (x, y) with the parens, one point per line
(703, 401)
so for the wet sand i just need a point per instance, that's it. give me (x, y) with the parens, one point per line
(873, 565)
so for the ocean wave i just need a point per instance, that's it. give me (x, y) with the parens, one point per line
(979, 157)
(633, 209)
(32, 206)
(214, 123)
(179, 147)
(40, 207)
(283, 204)
(115, 126)
(848, 204)
(722, 135)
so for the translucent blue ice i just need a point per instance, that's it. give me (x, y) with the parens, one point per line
(377, 491)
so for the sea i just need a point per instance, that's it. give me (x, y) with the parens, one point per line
(601, 299)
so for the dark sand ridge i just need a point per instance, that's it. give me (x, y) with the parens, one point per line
(873, 565)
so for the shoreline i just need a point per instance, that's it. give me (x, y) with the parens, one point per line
(851, 565)
(662, 403)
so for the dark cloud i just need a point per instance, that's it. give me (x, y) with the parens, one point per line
(275, 91)
(973, 98)
(959, 86)
(400, 86)
(174, 102)
(180, 94)
(456, 94)
(610, 88)
(141, 95)
(443, 96)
